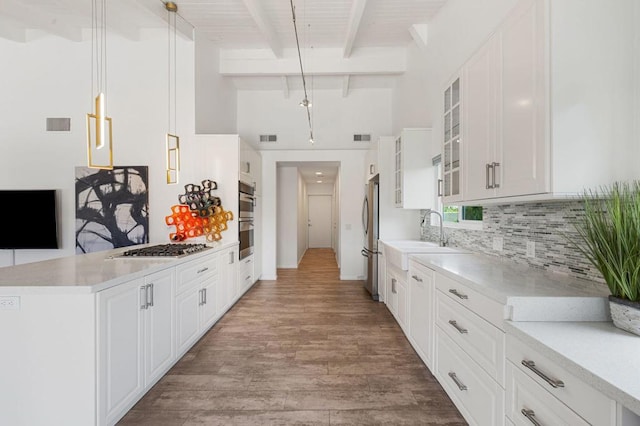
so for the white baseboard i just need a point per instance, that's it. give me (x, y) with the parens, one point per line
(268, 277)
(350, 278)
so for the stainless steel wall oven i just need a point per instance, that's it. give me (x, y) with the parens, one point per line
(247, 203)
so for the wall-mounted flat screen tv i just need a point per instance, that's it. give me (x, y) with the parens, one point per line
(28, 219)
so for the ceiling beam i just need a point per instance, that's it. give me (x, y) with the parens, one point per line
(357, 10)
(266, 28)
(33, 17)
(285, 86)
(183, 27)
(325, 61)
(419, 33)
(345, 85)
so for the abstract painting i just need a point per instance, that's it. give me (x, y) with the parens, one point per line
(112, 208)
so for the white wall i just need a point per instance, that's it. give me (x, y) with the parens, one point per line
(351, 194)
(335, 118)
(336, 218)
(459, 28)
(303, 218)
(215, 95)
(320, 188)
(286, 227)
(51, 77)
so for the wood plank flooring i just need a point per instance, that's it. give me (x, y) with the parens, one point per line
(307, 349)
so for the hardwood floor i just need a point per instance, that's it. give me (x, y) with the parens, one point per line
(307, 349)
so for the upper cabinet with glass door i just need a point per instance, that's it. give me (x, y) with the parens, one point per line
(451, 171)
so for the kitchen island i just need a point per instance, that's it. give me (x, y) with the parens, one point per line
(84, 337)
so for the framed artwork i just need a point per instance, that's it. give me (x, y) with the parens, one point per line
(112, 208)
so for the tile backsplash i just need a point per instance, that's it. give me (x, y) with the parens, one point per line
(548, 225)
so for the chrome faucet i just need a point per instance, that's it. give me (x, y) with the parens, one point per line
(443, 242)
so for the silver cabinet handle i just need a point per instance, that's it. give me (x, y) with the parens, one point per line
(393, 286)
(149, 295)
(143, 297)
(204, 296)
(248, 277)
(457, 293)
(457, 381)
(200, 297)
(530, 415)
(417, 278)
(555, 383)
(455, 325)
(493, 172)
(232, 258)
(202, 270)
(488, 168)
(440, 188)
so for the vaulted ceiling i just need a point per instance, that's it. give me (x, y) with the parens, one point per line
(345, 44)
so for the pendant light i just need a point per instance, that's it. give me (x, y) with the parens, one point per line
(172, 140)
(98, 123)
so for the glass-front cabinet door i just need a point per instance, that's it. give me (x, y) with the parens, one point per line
(451, 190)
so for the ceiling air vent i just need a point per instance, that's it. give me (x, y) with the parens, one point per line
(362, 138)
(58, 124)
(268, 138)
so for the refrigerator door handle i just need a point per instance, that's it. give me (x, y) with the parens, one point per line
(365, 215)
(365, 252)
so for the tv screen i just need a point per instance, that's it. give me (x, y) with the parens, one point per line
(28, 219)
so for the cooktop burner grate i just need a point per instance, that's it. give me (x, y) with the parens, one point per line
(165, 250)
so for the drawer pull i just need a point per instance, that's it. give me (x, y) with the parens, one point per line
(203, 270)
(457, 293)
(457, 327)
(553, 382)
(417, 278)
(531, 416)
(457, 381)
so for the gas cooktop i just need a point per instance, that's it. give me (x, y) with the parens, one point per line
(165, 250)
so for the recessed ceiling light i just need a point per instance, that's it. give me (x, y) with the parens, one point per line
(318, 173)
(318, 181)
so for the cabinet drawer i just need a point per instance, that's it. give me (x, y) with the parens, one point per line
(478, 397)
(480, 339)
(589, 403)
(196, 269)
(528, 402)
(489, 309)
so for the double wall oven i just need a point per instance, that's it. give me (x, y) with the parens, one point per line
(247, 204)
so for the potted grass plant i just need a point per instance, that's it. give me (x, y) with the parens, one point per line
(609, 236)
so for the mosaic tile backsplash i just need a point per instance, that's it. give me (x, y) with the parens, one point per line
(548, 224)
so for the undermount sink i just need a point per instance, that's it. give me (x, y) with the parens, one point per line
(397, 251)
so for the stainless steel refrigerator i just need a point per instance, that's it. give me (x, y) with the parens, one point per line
(370, 211)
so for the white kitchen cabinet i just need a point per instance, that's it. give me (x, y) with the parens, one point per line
(195, 300)
(503, 110)
(550, 392)
(478, 397)
(226, 290)
(250, 166)
(136, 345)
(397, 296)
(534, 124)
(246, 274)
(413, 171)
(452, 161)
(421, 311)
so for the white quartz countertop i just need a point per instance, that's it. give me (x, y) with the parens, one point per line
(87, 273)
(598, 353)
(530, 294)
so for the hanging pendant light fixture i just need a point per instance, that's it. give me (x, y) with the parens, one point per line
(172, 140)
(98, 123)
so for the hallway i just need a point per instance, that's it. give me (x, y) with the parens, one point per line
(307, 349)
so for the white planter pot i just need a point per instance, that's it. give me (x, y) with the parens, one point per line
(625, 314)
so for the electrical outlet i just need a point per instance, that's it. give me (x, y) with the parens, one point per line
(497, 243)
(531, 249)
(9, 303)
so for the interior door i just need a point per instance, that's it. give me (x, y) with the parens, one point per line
(320, 221)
